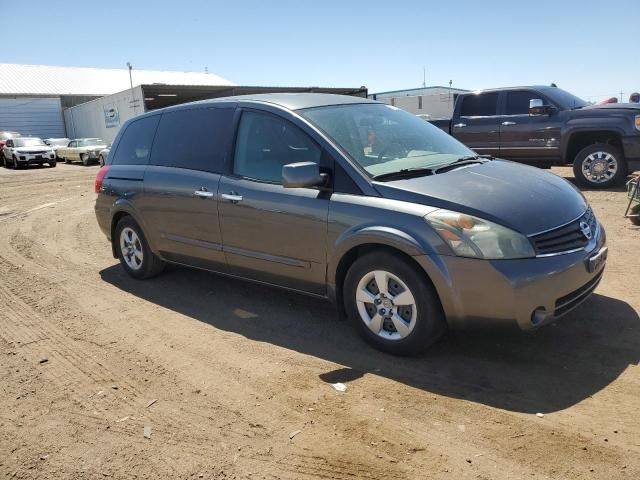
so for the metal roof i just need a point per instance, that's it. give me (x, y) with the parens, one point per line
(18, 79)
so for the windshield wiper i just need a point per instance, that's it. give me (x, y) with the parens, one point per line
(464, 161)
(405, 173)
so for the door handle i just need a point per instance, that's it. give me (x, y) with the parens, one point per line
(460, 125)
(508, 123)
(203, 193)
(232, 197)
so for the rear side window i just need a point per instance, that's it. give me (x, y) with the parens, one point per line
(518, 102)
(479, 105)
(195, 139)
(135, 145)
(265, 143)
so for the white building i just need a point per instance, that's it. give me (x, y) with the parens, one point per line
(437, 102)
(72, 102)
(33, 97)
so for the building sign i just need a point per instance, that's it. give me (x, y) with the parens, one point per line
(111, 116)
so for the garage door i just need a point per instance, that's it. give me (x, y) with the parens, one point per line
(40, 117)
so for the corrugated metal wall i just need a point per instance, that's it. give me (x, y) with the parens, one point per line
(40, 117)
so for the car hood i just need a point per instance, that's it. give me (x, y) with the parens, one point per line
(526, 199)
(614, 106)
(42, 148)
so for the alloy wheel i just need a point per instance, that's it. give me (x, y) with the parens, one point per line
(386, 305)
(599, 167)
(131, 248)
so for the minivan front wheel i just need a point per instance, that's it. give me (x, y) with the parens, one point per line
(133, 251)
(393, 305)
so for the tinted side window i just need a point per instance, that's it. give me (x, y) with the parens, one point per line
(194, 139)
(480, 105)
(265, 143)
(518, 102)
(135, 145)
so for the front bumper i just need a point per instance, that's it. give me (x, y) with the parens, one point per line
(528, 292)
(29, 158)
(631, 149)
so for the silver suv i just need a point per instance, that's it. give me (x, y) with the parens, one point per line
(404, 228)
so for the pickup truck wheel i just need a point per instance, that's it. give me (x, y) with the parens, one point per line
(599, 166)
(133, 250)
(392, 304)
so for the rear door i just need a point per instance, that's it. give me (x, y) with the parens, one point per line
(181, 185)
(477, 123)
(271, 233)
(524, 137)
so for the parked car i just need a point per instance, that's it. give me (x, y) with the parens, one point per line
(104, 153)
(21, 151)
(4, 136)
(86, 150)
(407, 235)
(548, 126)
(56, 143)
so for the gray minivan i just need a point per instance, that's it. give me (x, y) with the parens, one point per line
(404, 228)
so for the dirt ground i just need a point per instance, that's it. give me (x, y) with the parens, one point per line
(233, 380)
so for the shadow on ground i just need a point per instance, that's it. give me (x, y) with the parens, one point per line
(544, 371)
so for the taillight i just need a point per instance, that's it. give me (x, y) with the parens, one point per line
(100, 177)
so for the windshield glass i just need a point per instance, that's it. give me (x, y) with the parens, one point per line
(564, 99)
(8, 135)
(58, 142)
(91, 142)
(384, 139)
(28, 142)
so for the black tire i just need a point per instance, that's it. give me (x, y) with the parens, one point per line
(580, 163)
(430, 323)
(635, 210)
(151, 265)
(15, 164)
(52, 163)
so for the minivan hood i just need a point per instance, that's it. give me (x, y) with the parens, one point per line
(526, 199)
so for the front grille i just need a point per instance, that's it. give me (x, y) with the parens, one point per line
(38, 153)
(575, 298)
(565, 238)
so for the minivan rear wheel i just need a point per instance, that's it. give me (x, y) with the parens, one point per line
(392, 304)
(133, 250)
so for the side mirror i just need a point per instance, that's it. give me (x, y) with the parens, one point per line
(537, 107)
(302, 174)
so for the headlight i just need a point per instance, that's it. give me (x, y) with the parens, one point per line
(473, 237)
(637, 122)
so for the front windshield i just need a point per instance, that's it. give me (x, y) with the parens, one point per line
(56, 142)
(384, 139)
(28, 142)
(91, 142)
(564, 99)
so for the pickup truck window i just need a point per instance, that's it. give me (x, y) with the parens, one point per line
(479, 105)
(518, 102)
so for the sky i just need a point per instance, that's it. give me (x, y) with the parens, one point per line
(587, 47)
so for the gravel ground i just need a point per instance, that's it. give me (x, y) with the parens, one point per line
(191, 375)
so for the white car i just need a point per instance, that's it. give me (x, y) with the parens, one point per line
(86, 150)
(27, 151)
(56, 143)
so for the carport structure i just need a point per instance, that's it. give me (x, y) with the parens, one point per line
(159, 96)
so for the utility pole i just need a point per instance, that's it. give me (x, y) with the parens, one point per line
(133, 100)
(450, 83)
(621, 94)
(424, 77)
